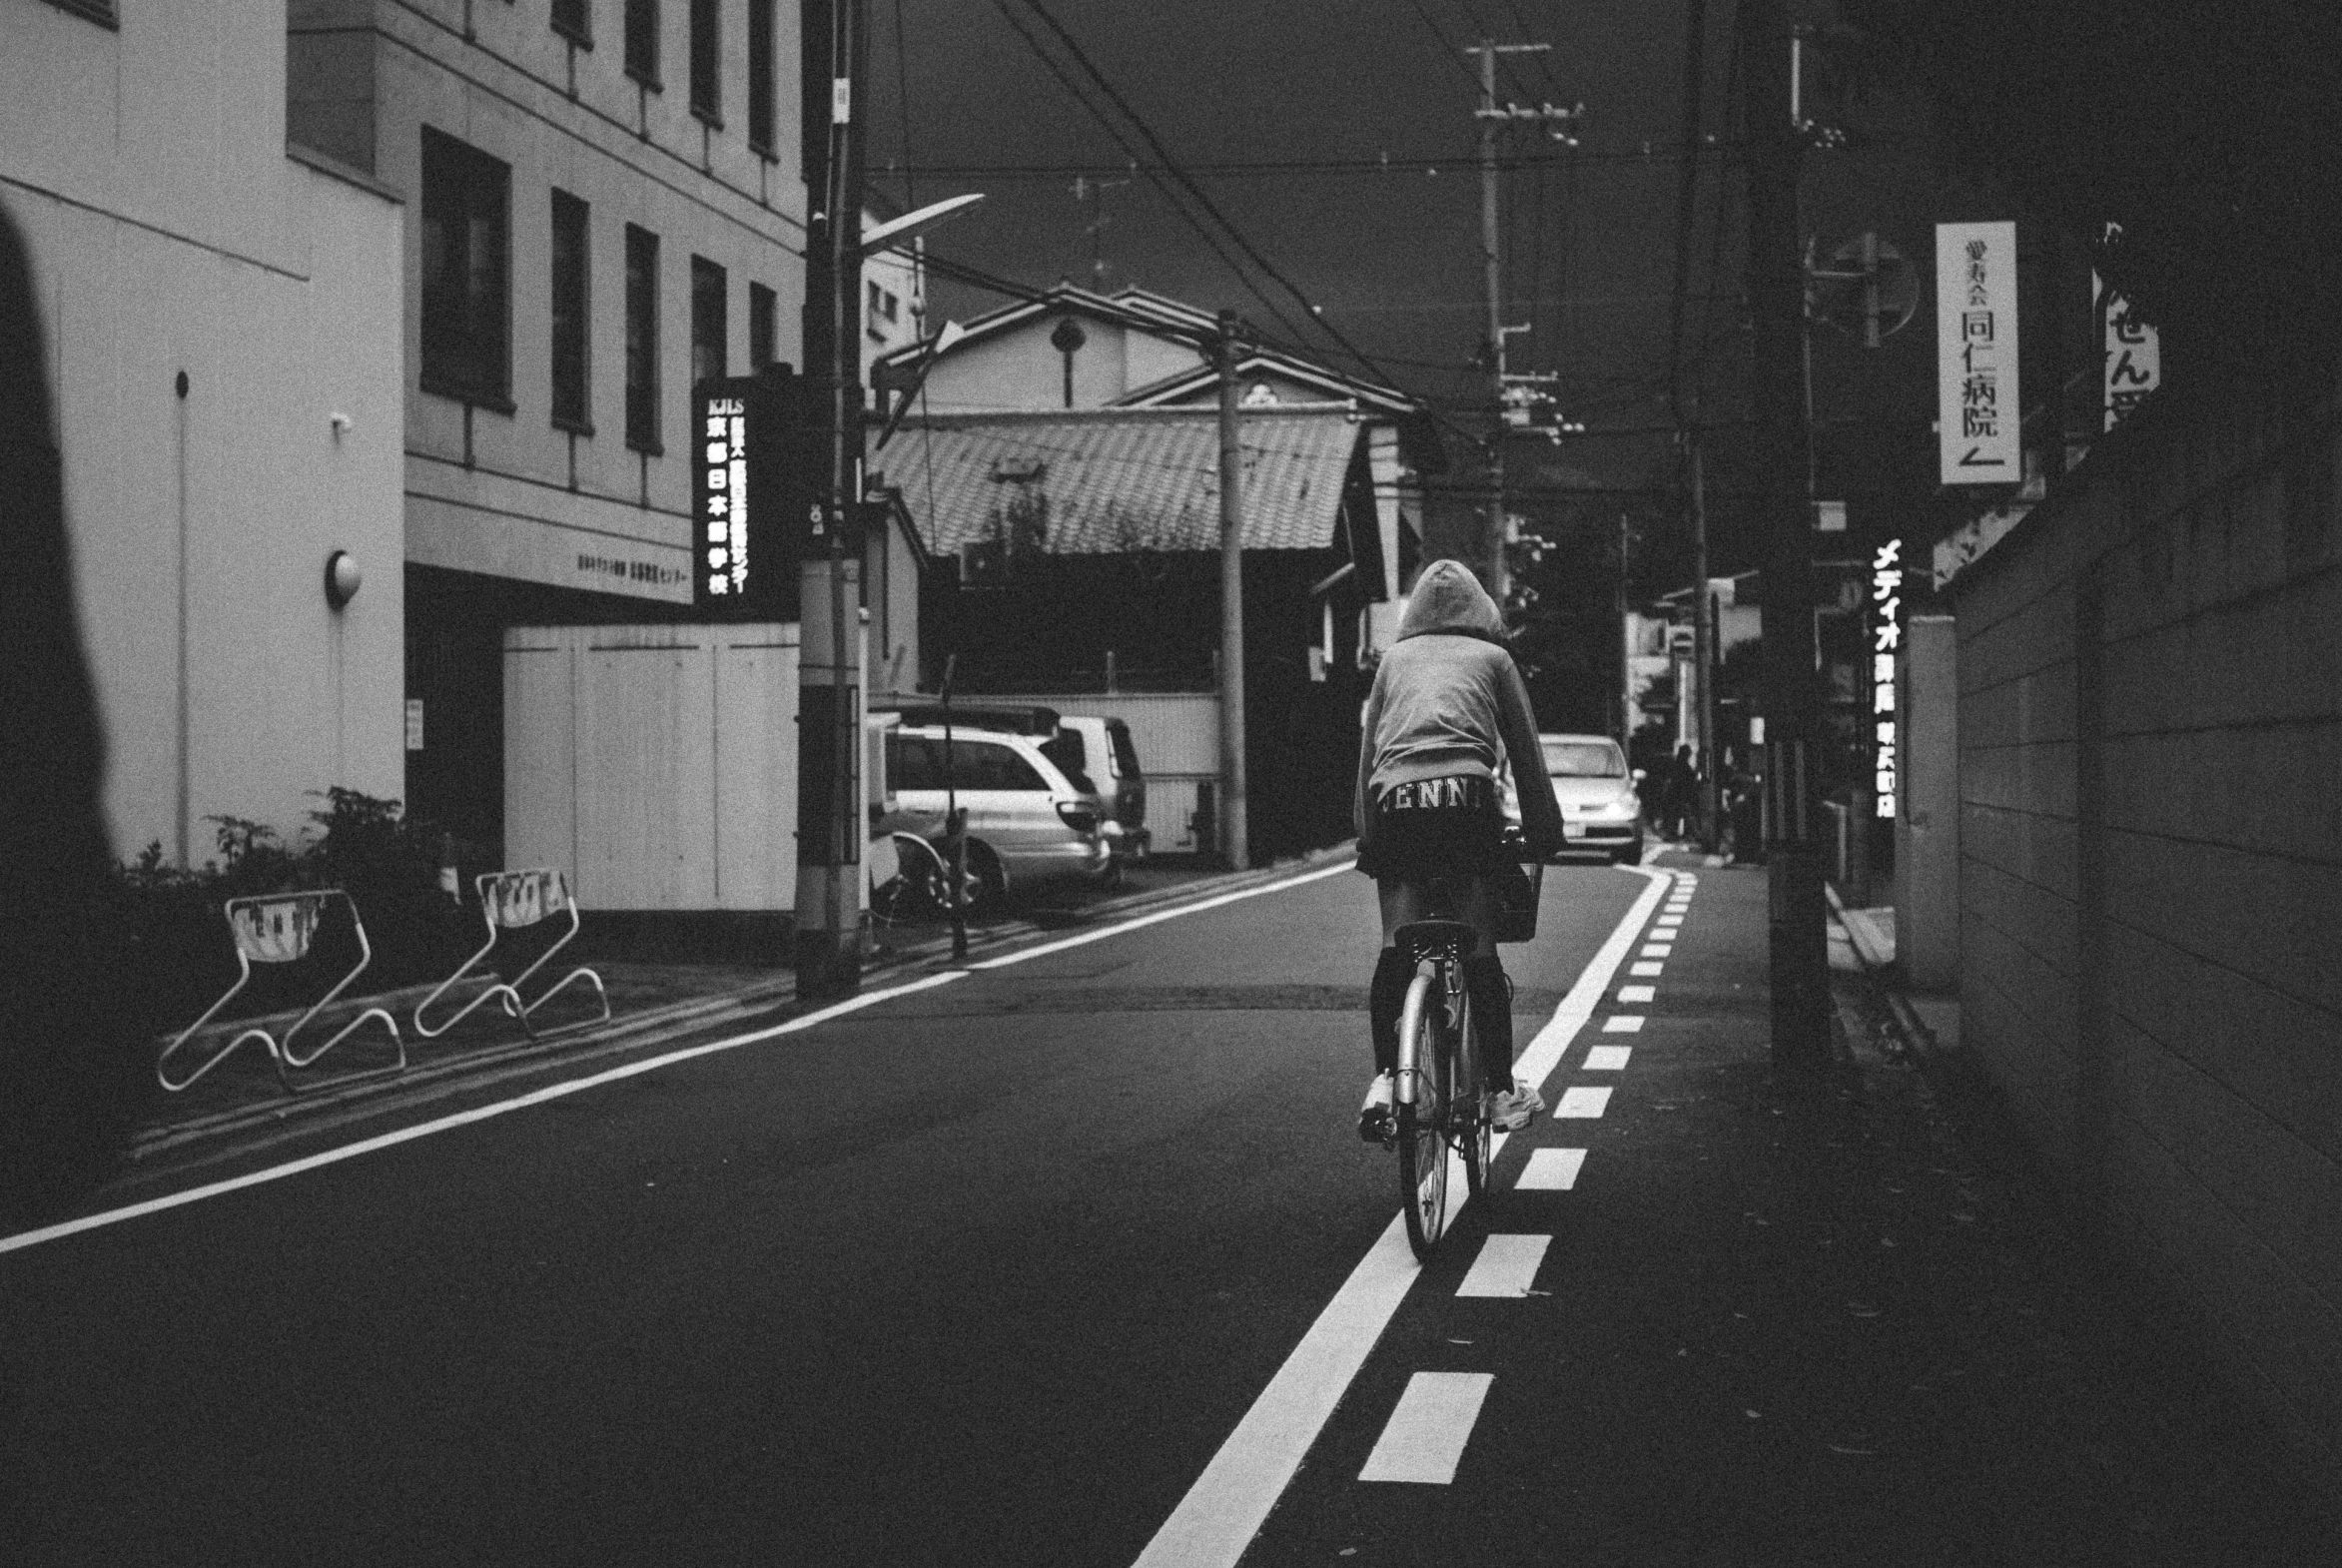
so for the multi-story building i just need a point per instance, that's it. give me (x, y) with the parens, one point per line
(220, 310)
(605, 206)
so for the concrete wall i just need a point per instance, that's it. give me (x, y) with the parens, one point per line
(169, 232)
(2150, 743)
(1927, 829)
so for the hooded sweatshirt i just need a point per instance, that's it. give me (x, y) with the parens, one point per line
(1448, 699)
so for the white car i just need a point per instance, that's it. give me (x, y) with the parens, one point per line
(1027, 823)
(1600, 812)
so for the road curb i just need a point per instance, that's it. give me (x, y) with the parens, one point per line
(218, 1132)
(1917, 1036)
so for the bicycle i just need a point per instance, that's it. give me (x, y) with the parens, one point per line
(1439, 1097)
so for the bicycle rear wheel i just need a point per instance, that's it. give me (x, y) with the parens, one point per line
(1469, 1114)
(1422, 1133)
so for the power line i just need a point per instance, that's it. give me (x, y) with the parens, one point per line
(1467, 162)
(1687, 197)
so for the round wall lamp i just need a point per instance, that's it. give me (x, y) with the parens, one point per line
(342, 578)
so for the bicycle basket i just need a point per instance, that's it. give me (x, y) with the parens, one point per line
(1517, 897)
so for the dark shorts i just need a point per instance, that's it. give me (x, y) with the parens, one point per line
(1443, 827)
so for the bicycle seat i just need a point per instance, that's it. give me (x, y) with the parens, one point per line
(1420, 939)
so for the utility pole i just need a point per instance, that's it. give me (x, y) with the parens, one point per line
(1626, 650)
(830, 825)
(1494, 117)
(1231, 602)
(1800, 972)
(1703, 645)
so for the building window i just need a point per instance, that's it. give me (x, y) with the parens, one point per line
(574, 20)
(707, 92)
(708, 320)
(642, 340)
(760, 76)
(573, 290)
(761, 327)
(642, 42)
(466, 342)
(885, 309)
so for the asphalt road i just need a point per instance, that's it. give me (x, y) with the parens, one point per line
(984, 1274)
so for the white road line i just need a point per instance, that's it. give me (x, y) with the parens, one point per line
(1425, 1438)
(1623, 1024)
(1608, 1059)
(1117, 930)
(1222, 1511)
(1666, 921)
(1637, 993)
(1658, 949)
(1583, 1101)
(1551, 1171)
(407, 1135)
(1506, 1265)
(632, 1069)
(1645, 969)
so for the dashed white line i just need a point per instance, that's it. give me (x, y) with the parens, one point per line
(1658, 949)
(1637, 993)
(1583, 1101)
(1645, 969)
(1607, 1058)
(1623, 1024)
(1551, 1171)
(1506, 1265)
(1423, 1441)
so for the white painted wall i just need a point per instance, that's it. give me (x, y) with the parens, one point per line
(656, 764)
(169, 231)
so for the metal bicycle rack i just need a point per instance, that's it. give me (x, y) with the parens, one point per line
(279, 927)
(514, 901)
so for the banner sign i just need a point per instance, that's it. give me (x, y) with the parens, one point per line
(1977, 404)
(730, 563)
(1886, 638)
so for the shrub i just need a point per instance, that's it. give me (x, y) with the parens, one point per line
(172, 935)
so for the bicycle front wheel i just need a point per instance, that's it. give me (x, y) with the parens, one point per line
(1422, 1136)
(1468, 1110)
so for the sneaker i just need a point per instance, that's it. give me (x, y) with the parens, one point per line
(1510, 1109)
(1374, 1123)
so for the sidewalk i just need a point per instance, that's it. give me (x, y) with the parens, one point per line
(653, 1002)
(1932, 1372)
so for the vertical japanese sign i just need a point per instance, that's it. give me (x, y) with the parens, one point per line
(1977, 404)
(1886, 637)
(2133, 349)
(728, 564)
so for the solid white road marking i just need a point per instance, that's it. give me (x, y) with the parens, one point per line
(1424, 1439)
(1583, 1101)
(1608, 1059)
(1551, 1171)
(632, 1069)
(1118, 929)
(1623, 1024)
(1645, 969)
(1506, 1265)
(1222, 1511)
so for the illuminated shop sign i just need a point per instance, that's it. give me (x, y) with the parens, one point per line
(1886, 637)
(727, 556)
(752, 462)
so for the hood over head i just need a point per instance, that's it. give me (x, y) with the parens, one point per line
(1447, 597)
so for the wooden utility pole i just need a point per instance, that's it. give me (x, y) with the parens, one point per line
(1231, 602)
(1800, 972)
(1703, 658)
(830, 824)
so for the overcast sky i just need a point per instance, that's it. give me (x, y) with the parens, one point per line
(1392, 256)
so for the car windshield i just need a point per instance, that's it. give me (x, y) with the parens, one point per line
(1588, 759)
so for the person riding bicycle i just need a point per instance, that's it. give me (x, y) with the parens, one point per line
(1448, 708)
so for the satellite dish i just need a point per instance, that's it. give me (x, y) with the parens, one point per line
(1866, 288)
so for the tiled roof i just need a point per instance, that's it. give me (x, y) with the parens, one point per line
(1097, 481)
